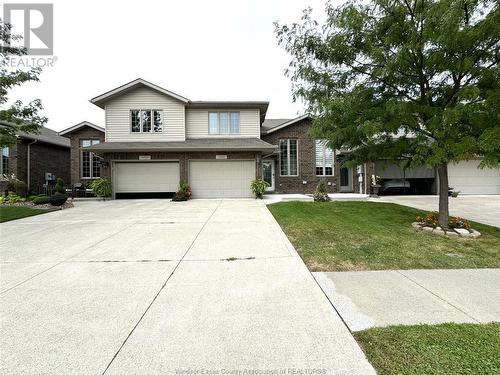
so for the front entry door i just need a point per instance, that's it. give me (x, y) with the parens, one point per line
(268, 173)
(345, 179)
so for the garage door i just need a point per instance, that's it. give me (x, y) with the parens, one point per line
(467, 178)
(221, 179)
(146, 177)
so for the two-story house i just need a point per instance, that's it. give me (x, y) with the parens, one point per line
(154, 138)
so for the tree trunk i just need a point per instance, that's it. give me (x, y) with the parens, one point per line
(444, 213)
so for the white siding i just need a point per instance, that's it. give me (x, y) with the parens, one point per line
(197, 123)
(466, 177)
(118, 116)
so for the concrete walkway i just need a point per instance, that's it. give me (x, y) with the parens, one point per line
(156, 287)
(380, 298)
(481, 208)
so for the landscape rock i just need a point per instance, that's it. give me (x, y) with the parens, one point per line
(462, 231)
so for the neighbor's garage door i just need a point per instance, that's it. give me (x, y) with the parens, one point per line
(467, 178)
(146, 177)
(222, 178)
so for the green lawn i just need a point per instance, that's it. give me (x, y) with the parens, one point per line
(8, 213)
(442, 349)
(346, 236)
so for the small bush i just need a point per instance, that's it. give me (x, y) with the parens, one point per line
(320, 193)
(58, 199)
(12, 198)
(259, 187)
(101, 187)
(20, 188)
(41, 199)
(60, 186)
(31, 197)
(183, 193)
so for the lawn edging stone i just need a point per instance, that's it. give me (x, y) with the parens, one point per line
(453, 232)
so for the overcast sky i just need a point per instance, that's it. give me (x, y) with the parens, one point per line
(203, 50)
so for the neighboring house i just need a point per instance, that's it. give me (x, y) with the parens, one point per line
(303, 161)
(85, 165)
(37, 158)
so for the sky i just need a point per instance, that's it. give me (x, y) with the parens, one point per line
(202, 50)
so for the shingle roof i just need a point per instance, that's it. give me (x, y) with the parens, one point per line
(272, 122)
(206, 144)
(272, 125)
(79, 126)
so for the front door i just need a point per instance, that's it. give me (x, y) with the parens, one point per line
(268, 173)
(345, 179)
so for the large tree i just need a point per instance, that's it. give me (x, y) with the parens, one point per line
(17, 117)
(410, 80)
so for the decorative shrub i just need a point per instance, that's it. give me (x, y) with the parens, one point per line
(41, 199)
(259, 187)
(431, 219)
(20, 188)
(101, 188)
(183, 193)
(60, 186)
(58, 199)
(31, 197)
(320, 193)
(12, 198)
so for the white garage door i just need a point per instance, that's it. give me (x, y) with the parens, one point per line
(146, 177)
(222, 178)
(467, 178)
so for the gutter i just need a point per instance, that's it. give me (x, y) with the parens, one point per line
(29, 164)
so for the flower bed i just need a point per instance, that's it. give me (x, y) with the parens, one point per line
(457, 226)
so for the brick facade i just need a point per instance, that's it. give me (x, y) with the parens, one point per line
(76, 164)
(306, 181)
(44, 158)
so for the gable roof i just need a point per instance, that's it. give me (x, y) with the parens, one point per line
(102, 99)
(80, 125)
(273, 125)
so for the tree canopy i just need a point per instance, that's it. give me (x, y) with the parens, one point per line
(18, 117)
(412, 79)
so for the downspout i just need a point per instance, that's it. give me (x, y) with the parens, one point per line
(29, 165)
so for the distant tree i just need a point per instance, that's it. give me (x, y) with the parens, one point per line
(413, 80)
(18, 116)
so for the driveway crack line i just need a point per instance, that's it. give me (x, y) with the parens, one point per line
(160, 290)
(438, 296)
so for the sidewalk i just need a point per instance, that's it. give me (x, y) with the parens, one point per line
(379, 298)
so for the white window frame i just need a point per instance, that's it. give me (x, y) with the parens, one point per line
(229, 128)
(2, 172)
(152, 121)
(91, 158)
(288, 156)
(324, 146)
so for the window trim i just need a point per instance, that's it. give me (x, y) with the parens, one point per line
(288, 156)
(324, 160)
(229, 132)
(2, 172)
(152, 110)
(91, 159)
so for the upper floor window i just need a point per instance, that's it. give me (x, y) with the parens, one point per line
(4, 165)
(324, 158)
(223, 122)
(89, 161)
(146, 121)
(288, 157)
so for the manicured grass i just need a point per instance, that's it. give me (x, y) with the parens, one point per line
(346, 236)
(442, 349)
(8, 213)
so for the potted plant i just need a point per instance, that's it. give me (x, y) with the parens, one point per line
(259, 187)
(375, 186)
(183, 193)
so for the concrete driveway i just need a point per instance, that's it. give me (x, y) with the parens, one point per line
(147, 287)
(481, 208)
